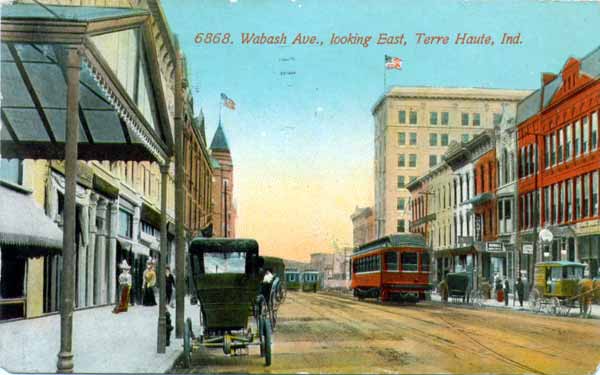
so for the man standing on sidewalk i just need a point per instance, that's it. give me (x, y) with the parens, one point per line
(520, 290)
(506, 291)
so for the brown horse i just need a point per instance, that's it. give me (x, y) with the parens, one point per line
(585, 289)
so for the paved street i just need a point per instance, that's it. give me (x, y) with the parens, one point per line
(319, 333)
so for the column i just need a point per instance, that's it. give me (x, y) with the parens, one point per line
(100, 266)
(162, 299)
(91, 258)
(82, 260)
(73, 70)
(135, 232)
(112, 251)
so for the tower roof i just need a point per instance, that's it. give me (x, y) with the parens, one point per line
(219, 142)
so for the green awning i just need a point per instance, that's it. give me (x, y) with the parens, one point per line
(481, 198)
(67, 13)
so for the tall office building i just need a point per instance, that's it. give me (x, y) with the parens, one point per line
(413, 128)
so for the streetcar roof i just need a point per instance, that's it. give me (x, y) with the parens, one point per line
(560, 263)
(393, 240)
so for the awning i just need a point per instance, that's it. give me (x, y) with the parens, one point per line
(24, 227)
(34, 87)
(456, 251)
(133, 246)
(481, 198)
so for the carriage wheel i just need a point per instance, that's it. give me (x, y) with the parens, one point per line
(266, 340)
(187, 343)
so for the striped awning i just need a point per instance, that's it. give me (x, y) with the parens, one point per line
(26, 230)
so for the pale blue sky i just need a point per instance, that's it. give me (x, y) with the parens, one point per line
(308, 137)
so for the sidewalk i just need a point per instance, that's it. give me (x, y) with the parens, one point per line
(500, 305)
(102, 342)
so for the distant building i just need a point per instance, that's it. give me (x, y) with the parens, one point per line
(363, 225)
(413, 128)
(223, 209)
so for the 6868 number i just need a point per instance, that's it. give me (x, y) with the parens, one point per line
(213, 38)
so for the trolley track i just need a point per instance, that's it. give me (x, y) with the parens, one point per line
(343, 300)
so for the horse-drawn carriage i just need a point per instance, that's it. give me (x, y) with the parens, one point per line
(277, 292)
(458, 287)
(227, 276)
(559, 287)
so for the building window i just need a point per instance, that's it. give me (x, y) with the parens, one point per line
(444, 140)
(560, 145)
(585, 193)
(497, 119)
(569, 143)
(401, 139)
(11, 170)
(401, 161)
(433, 139)
(125, 223)
(464, 119)
(465, 138)
(547, 151)
(400, 204)
(586, 135)
(433, 118)
(553, 149)
(432, 160)
(577, 139)
(402, 117)
(569, 200)
(445, 118)
(412, 160)
(400, 182)
(413, 118)
(594, 140)
(476, 119)
(413, 139)
(555, 203)
(595, 183)
(578, 198)
(400, 226)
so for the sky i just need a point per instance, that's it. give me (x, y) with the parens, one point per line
(302, 143)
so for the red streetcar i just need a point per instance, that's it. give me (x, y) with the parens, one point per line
(392, 267)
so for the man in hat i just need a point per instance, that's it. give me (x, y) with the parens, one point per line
(124, 286)
(170, 284)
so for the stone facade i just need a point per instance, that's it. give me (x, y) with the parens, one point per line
(363, 225)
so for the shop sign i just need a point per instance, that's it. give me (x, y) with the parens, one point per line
(528, 248)
(495, 247)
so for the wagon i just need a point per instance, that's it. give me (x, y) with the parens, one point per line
(556, 288)
(227, 275)
(460, 288)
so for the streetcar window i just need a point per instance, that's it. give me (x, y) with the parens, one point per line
(409, 261)
(572, 273)
(391, 261)
(425, 261)
(555, 273)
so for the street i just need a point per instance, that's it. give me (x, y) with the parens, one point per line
(322, 333)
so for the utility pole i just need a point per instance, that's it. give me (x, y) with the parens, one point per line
(225, 207)
(179, 196)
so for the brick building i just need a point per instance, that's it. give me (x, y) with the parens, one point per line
(559, 163)
(223, 209)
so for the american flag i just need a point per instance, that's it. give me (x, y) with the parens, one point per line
(229, 103)
(393, 62)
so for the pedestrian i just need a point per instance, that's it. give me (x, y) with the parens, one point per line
(506, 291)
(170, 284)
(520, 290)
(149, 283)
(124, 288)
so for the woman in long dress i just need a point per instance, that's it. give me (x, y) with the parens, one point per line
(149, 283)
(124, 287)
